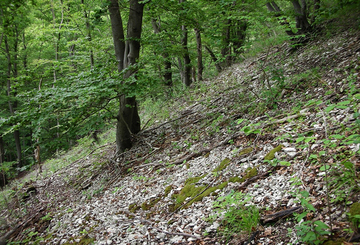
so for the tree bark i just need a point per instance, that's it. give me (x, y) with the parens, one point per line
(127, 55)
(13, 105)
(186, 55)
(240, 34)
(302, 23)
(117, 33)
(213, 57)
(274, 8)
(167, 63)
(226, 49)
(200, 66)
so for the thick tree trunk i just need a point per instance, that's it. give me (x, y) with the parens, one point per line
(302, 23)
(118, 33)
(127, 54)
(167, 63)
(200, 66)
(213, 57)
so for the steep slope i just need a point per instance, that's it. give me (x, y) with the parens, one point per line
(278, 128)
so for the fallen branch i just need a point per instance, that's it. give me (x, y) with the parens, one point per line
(279, 215)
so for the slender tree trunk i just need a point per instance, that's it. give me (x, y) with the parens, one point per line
(240, 34)
(12, 66)
(2, 150)
(88, 28)
(213, 57)
(167, 63)
(226, 50)
(186, 55)
(274, 8)
(187, 61)
(200, 66)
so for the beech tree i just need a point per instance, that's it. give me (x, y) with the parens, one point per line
(127, 55)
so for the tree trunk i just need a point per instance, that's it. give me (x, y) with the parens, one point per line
(240, 34)
(167, 63)
(2, 150)
(88, 28)
(200, 66)
(13, 105)
(127, 54)
(302, 23)
(226, 49)
(274, 8)
(213, 57)
(186, 55)
(118, 33)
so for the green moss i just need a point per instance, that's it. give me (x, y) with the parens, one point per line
(249, 173)
(245, 151)
(224, 163)
(134, 207)
(167, 190)
(148, 205)
(192, 191)
(355, 209)
(336, 242)
(84, 240)
(194, 180)
(235, 179)
(271, 154)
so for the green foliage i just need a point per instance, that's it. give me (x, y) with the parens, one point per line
(239, 217)
(310, 232)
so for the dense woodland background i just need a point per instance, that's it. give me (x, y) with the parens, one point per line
(67, 69)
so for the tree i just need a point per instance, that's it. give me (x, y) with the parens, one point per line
(127, 54)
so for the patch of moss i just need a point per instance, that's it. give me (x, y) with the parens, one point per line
(84, 240)
(336, 242)
(235, 179)
(148, 205)
(190, 190)
(249, 173)
(245, 151)
(355, 210)
(134, 207)
(224, 163)
(194, 180)
(271, 154)
(167, 190)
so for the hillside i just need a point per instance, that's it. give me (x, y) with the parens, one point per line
(281, 128)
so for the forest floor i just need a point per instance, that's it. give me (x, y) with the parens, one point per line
(265, 153)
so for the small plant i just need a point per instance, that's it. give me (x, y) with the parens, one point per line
(239, 217)
(309, 231)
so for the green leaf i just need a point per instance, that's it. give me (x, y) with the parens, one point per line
(330, 108)
(325, 167)
(285, 163)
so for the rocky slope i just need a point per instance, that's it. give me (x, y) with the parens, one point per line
(230, 136)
